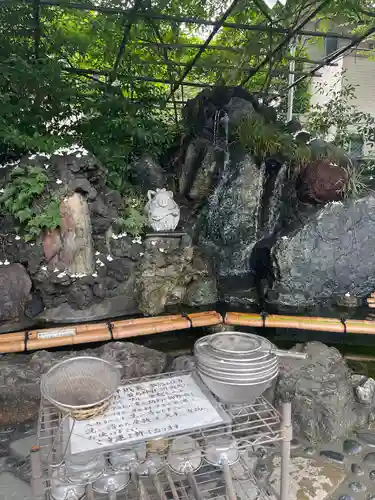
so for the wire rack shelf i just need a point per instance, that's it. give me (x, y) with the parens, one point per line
(61, 438)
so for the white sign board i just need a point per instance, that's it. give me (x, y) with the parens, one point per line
(147, 410)
(52, 334)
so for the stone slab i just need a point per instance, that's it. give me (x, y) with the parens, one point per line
(13, 488)
(310, 478)
(22, 447)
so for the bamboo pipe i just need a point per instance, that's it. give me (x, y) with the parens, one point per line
(95, 335)
(12, 342)
(354, 357)
(276, 321)
(142, 321)
(100, 332)
(8, 347)
(207, 318)
(121, 331)
(301, 323)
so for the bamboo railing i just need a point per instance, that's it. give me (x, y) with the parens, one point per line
(102, 332)
(129, 328)
(316, 324)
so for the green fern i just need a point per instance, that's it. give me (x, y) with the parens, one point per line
(26, 199)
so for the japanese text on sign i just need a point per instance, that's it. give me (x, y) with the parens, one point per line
(147, 410)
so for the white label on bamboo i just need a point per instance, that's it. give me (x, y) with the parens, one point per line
(147, 410)
(54, 334)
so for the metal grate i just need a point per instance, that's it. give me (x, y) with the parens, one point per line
(252, 426)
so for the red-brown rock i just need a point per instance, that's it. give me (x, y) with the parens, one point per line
(321, 182)
(52, 245)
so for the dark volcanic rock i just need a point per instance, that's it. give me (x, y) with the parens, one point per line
(231, 225)
(82, 185)
(331, 255)
(148, 173)
(20, 374)
(333, 455)
(201, 292)
(80, 296)
(323, 404)
(15, 286)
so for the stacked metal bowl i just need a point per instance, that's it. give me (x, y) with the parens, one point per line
(237, 367)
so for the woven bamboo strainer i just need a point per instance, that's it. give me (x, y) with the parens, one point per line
(82, 387)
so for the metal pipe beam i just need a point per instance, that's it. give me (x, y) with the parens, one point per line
(36, 31)
(80, 71)
(292, 33)
(176, 46)
(186, 19)
(203, 66)
(197, 56)
(334, 56)
(124, 41)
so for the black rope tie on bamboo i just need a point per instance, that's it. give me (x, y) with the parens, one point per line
(110, 328)
(264, 315)
(184, 315)
(27, 334)
(343, 321)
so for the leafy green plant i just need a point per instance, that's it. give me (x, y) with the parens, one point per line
(44, 218)
(132, 218)
(356, 184)
(25, 198)
(265, 139)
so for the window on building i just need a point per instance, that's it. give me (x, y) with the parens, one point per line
(331, 45)
(356, 145)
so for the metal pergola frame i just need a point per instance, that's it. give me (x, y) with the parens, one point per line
(178, 79)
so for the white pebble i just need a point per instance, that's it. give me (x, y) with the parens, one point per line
(58, 181)
(32, 244)
(161, 250)
(101, 264)
(98, 261)
(44, 268)
(61, 275)
(109, 258)
(141, 254)
(6, 262)
(97, 253)
(347, 294)
(17, 237)
(153, 243)
(94, 275)
(1, 263)
(1, 190)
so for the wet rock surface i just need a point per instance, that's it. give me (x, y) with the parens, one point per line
(173, 272)
(322, 396)
(230, 225)
(327, 245)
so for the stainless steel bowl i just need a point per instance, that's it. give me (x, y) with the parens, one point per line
(236, 393)
(234, 377)
(233, 347)
(240, 367)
